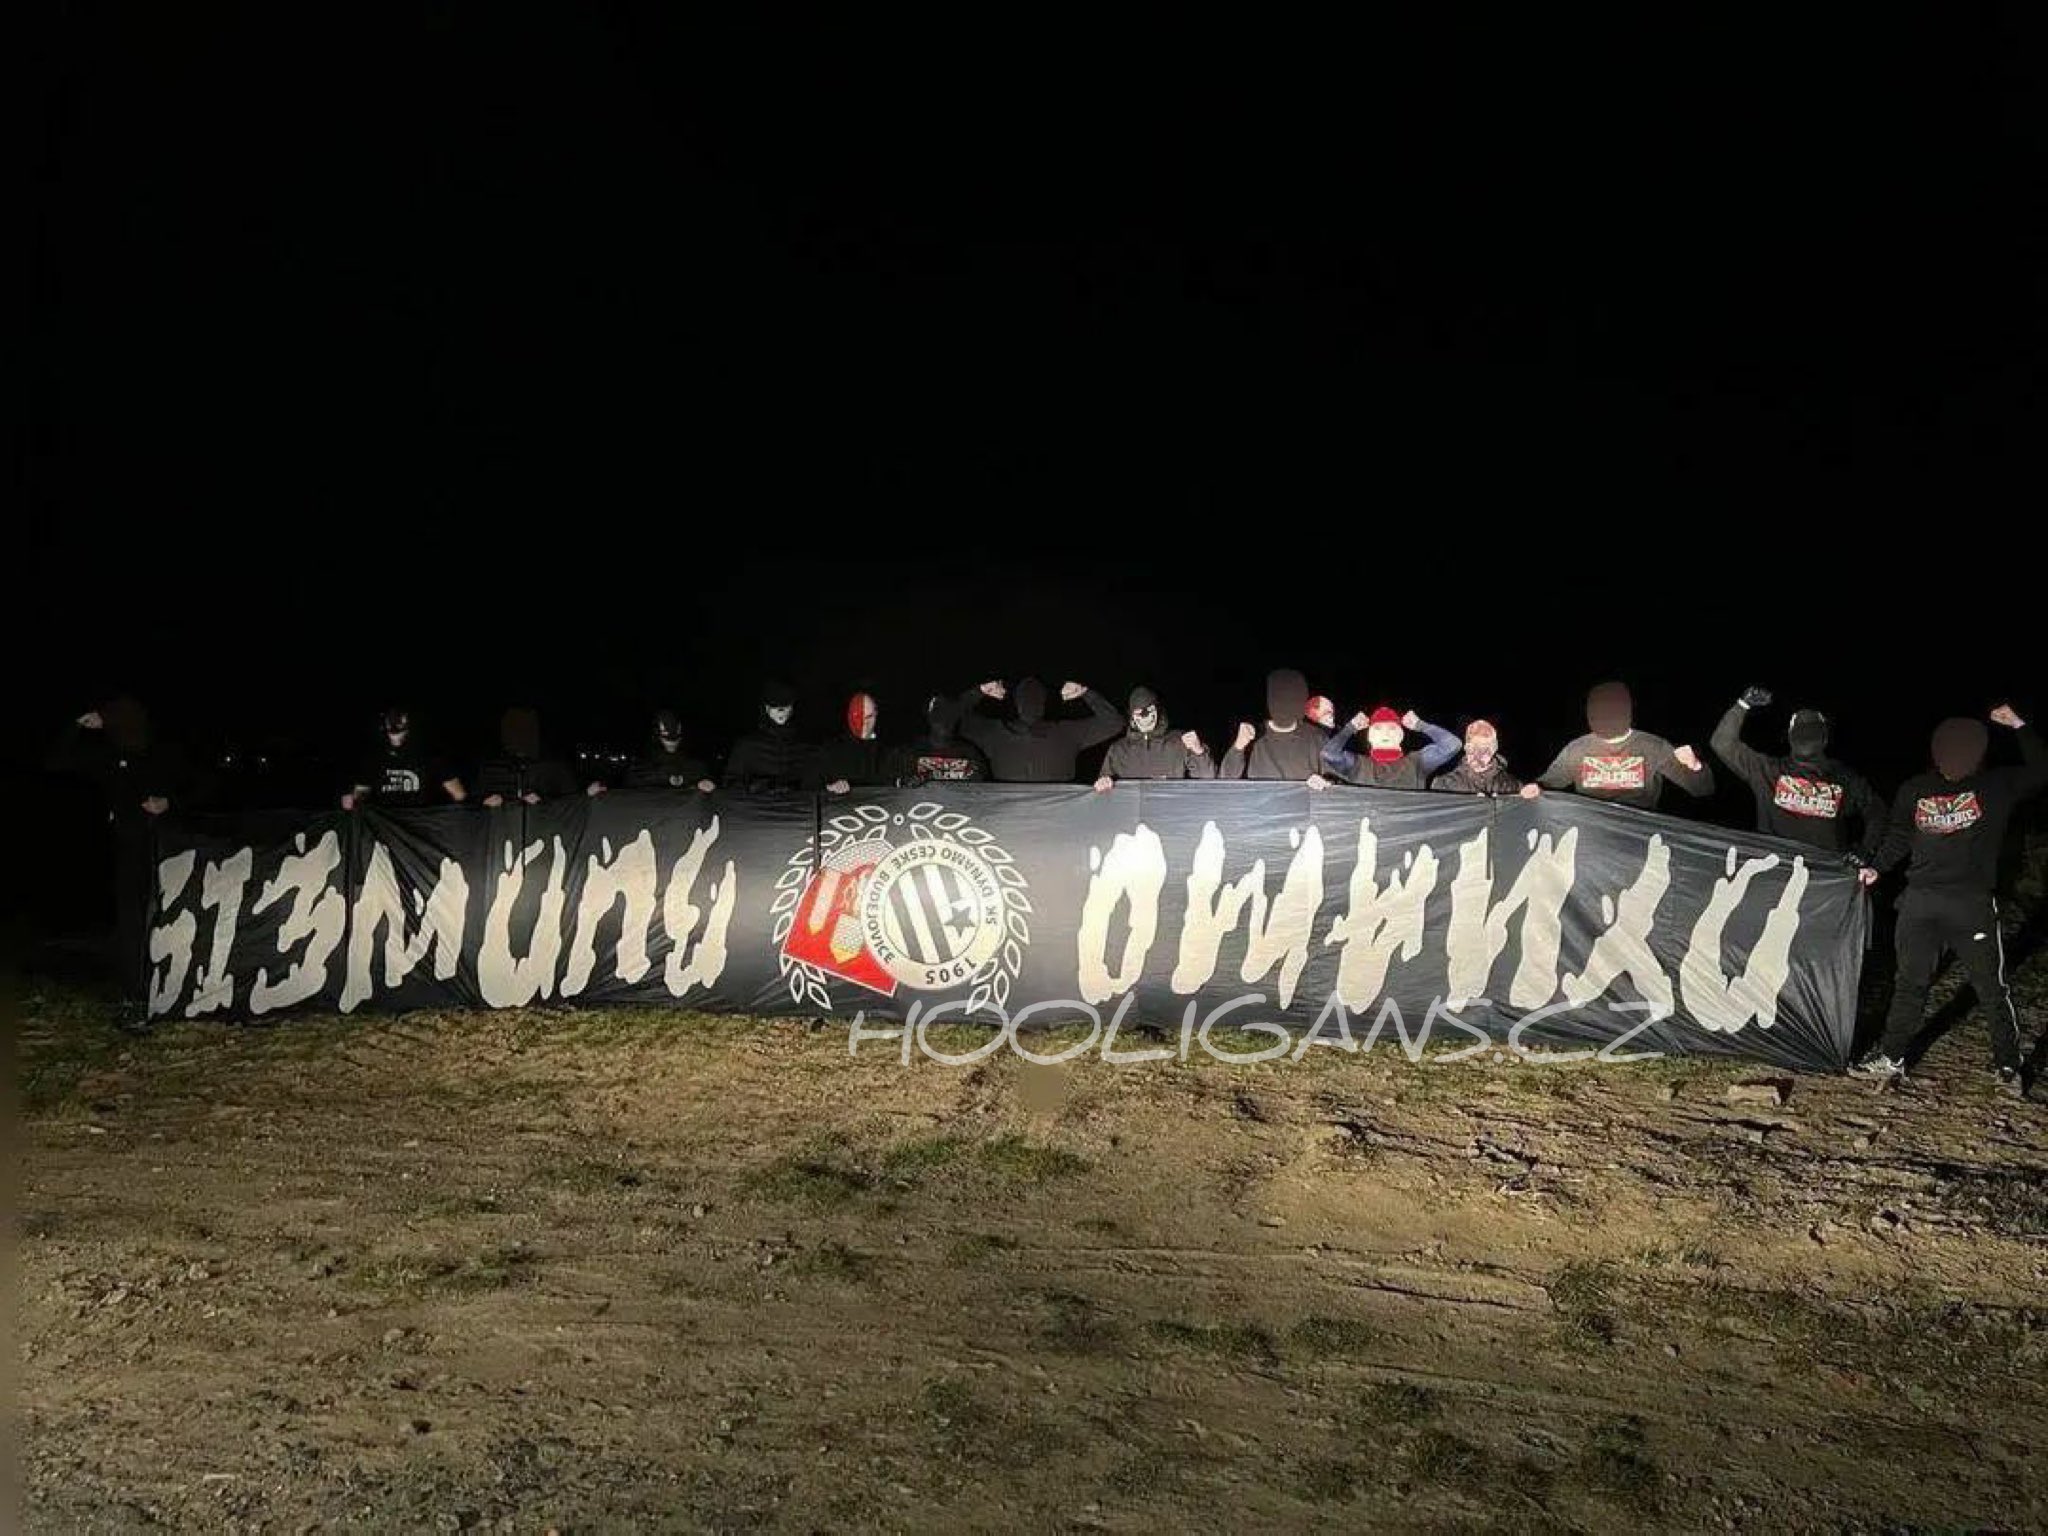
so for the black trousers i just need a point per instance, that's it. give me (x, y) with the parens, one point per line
(1965, 922)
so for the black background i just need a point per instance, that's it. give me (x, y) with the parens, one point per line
(473, 355)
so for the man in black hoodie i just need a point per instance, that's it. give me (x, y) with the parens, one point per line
(1808, 796)
(521, 771)
(1951, 823)
(1615, 761)
(770, 759)
(400, 773)
(857, 758)
(1150, 750)
(940, 755)
(1028, 748)
(665, 765)
(1290, 747)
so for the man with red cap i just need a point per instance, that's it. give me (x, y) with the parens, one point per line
(1386, 764)
(1614, 761)
(857, 757)
(1482, 770)
(1950, 823)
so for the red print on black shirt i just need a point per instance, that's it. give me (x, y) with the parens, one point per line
(1944, 814)
(1629, 772)
(1797, 796)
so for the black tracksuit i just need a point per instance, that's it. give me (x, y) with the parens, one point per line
(1031, 749)
(660, 768)
(514, 777)
(770, 760)
(857, 759)
(1951, 829)
(1809, 800)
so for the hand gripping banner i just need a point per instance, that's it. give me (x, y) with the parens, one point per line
(1555, 923)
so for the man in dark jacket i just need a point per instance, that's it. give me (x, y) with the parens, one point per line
(665, 764)
(521, 770)
(1149, 749)
(400, 773)
(1028, 748)
(941, 755)
(771, 759)
(1290, 747)
(1950, 823)
(1386, 763)
(1482, 770)
(1616, 762)
(1808, 796)
(857, 757)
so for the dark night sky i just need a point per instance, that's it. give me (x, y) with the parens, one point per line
(492, 353)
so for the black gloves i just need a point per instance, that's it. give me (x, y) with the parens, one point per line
(1754, 697)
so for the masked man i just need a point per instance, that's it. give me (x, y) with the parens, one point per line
(940, 755)
(521, 770)
(1291, 745)
(1321, 710)
(664, 764)
(1806, 796)
(1949, 824)
(1028, 748)
(770, 759)
(1616, 762)
(1482, 770)
(856, 757)
(399, 773)
(1386, 764)
(1149, 749)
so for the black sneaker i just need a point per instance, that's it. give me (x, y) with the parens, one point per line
(1877, 1064)
(2011, 1082)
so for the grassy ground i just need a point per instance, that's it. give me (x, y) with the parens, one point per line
(590, 1270)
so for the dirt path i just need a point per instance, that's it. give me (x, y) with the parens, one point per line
(593, 1270)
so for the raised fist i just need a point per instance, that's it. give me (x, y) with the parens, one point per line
(995, 691)
(706, 786)
(1754, 697)
(1072, 691)
(2004, 715)
(494, 801)
(1411, 721)
(91, 720)
(1688, 759)
(1192, 742)
(1360, 721)
(1245, 733)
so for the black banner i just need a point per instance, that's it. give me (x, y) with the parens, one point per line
(1349, 914)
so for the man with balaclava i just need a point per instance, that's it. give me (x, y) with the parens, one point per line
(857, 757)
(1387, 763)
(772, 759)
(1616, 762)
(941, 755)
(664, 763)
(1028, 748)
(1321, 709)
(399, 773)
(1481, 769)
(522, 770)
(1949, 824)
(1291, 745)
(1149, 748)
(137, 779)
(1805, 795)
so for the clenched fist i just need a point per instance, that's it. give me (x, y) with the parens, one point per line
(1192, 742)
(1688, 759)
(2004, 715)
(1245, 733)
(1072, 691)
(1411, 721)
(1104, 784)
(995, 691)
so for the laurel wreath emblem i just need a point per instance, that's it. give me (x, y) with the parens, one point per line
(923, 822)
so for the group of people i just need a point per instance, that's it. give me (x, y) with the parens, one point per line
(1945, 826)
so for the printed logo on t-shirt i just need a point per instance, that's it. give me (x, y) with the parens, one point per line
(1613, 772)
(1943, 814)
(1797, 796)
(400, 781)
(930, 766)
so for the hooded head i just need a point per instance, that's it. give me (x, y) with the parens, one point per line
(1610, 711)
(1322, 711)
(1384, 733)
(1145, 714)
(1482, 745)
(862, 717)
(778, 703)
(939, 717)
(668, 731)
(1959, 747)
(1030, 696)
(397, 725)
(126, 723)
(519, 733)
(1806, 733)
(1286, 697)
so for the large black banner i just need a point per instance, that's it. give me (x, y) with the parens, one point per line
(1349, 914)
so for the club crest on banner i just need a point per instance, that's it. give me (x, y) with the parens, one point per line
(919, 899)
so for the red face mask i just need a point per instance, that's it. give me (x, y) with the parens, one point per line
(861, 715)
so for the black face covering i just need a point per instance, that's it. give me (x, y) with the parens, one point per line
(1959, 747)
(519, 733)
(1610, 711)
(1806, 733)
(126, 723)
(1030, 696)
(1286, 696)
(396, 722)
(938, 717)
(668, 730)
